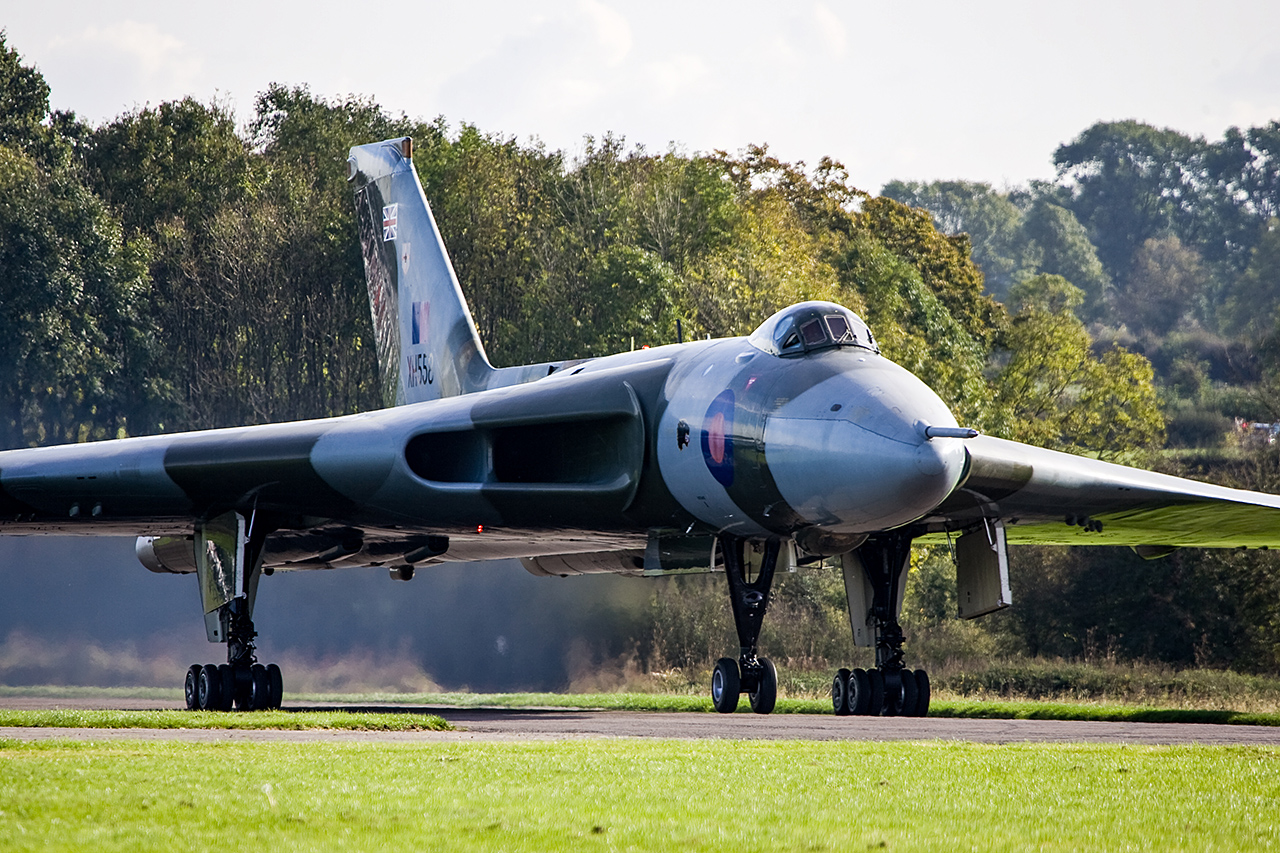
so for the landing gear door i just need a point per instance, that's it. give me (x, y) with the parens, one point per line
(220, 565)
(858, 591)
(982, 571)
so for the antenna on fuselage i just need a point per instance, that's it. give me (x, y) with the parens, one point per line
(679, 332)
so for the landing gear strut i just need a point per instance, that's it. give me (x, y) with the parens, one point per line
(756, 676)
(874, 579)
(228, 565)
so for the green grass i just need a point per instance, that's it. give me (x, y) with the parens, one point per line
(654, 702)
(989, 709)
(293, 721)
(635, 795)
(1027, 710)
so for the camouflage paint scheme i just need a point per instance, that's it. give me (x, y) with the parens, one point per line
(638, 459)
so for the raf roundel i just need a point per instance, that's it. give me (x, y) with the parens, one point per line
(717, 438)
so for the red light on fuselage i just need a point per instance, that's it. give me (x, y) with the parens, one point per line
(479, 528)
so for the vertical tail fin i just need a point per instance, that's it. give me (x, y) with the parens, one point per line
(428, 346)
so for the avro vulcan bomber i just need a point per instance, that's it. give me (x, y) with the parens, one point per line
(747, 455)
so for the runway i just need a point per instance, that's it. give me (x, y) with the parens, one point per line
(501, 724)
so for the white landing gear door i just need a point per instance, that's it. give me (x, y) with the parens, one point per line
(982, 571)
(858, 592)
(220, 565)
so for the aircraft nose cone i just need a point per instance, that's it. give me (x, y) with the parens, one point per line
(864, 464)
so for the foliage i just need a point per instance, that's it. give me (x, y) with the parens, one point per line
(74, 338)
(992, 220)
(1055, 393)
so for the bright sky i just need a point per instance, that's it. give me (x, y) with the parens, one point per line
(921, 90)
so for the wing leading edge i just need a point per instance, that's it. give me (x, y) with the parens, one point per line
(1051, 498)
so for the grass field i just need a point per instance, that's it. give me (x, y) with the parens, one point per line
(635, 795)
(345, 720)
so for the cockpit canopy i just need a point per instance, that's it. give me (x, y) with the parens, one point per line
(811, 326)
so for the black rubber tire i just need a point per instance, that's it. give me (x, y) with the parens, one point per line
(275, 687)
(228, 676)
(910, 694)
(258, 699)
(875, 693)
(840, 693)
(190, 689)
(209, 688)
(244, 688)
(922, 693)
(765, 696)
(726, 686)
(859, 693)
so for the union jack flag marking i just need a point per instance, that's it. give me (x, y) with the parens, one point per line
(389, 222)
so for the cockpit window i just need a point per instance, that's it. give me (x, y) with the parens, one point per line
(840, 332)
(813, 333)
(811, 326)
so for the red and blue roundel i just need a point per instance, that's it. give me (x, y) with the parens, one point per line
(717, 438)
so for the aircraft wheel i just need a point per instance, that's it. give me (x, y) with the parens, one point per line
(840, 693)
(910, 694)
(190, 689)
(726, 686)
(228, 695)
(209, 688)
(859, 693)
(258, 691)
(244, 688)
(765, 696)
(875, 693)
(275, 687)
(922, 693)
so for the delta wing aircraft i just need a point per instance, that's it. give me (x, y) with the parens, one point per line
(796, 443)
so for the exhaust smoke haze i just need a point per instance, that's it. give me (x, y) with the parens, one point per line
(84, 611)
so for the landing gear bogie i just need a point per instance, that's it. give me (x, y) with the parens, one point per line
(876, 693)
(221, 687)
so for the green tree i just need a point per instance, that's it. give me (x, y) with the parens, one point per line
(1057, 244)
(76, 353)
(1168, 287)
(24, 101)
(1053, 392)
(1252, 307)
(992, 221)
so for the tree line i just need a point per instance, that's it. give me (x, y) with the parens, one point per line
(171, 269)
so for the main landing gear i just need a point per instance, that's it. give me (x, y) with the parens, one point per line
(756, 676)
(228, 559)
(874, 581)
(241, 683)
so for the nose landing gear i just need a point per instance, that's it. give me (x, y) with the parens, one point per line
(756, 676)
(875, 579)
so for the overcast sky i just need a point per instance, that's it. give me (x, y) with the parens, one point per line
(921, 90)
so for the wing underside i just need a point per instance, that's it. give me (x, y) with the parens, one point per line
(1052, 498)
